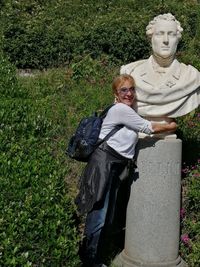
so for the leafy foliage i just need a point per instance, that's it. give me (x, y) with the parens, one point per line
(41, 34)
(188, 131)
(37, 214)
(190, 217)
(7, 77)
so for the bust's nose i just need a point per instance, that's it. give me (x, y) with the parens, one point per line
(166, 39)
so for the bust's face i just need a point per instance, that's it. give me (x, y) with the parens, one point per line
(164, 39)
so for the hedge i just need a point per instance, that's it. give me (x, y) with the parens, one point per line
(42, 34)
(38, 221)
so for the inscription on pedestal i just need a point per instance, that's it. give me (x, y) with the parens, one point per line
(162, 168)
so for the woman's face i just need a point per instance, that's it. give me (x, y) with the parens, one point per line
(126, 93)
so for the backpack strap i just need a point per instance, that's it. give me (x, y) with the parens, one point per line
(113, 131)
(105, 111)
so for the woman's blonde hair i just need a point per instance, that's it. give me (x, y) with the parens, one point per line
(119, 80)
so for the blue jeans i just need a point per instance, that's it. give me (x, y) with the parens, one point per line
(102, 212)
(96, 221)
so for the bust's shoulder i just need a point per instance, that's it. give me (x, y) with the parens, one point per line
(188, 67)
(129, 68)
(189, 72)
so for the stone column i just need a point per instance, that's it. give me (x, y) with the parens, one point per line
(153, 218)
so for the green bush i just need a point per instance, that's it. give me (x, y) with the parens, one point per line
(190, 125)
(37, 215)
(8, 81)
(190, 217)
(188, 131)
(121, 38)
(41, 34)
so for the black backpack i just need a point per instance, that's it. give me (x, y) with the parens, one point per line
(86, 137)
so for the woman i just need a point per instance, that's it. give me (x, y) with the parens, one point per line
(103, 175)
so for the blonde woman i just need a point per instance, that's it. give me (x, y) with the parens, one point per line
(102, 177)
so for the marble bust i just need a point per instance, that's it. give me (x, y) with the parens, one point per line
(165, 87)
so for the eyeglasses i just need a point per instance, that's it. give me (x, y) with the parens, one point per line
(125, 90)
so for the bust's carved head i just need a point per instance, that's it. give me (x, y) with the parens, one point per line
(164, 32)
(165, 17)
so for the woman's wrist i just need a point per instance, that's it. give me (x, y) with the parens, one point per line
(165, 127)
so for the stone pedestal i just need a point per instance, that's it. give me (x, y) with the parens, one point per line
(153, 218)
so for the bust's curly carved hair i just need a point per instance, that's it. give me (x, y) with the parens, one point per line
(167, 17)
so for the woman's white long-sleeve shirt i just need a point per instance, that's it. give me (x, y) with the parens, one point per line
(124, 140)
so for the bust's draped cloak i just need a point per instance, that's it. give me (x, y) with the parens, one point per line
(177, 94)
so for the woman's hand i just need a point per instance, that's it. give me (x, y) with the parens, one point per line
(165, 127)
(172, 126)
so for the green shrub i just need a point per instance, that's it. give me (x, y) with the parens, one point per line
(190, 217)
(37, 216)
(92, 70)
(38, 223)
(8, 81)
(40, 37)
(188, 131)
(120, 37)
(190, 125)
(41, 34)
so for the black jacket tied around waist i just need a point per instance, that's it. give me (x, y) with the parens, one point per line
(103, 166)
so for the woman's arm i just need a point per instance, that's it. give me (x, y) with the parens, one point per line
(124, 115)
(165, 127)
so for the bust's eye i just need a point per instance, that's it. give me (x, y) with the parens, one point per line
(159, 33)
(171, 33)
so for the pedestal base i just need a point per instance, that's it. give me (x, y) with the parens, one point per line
(153, 212)
(122, 260)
